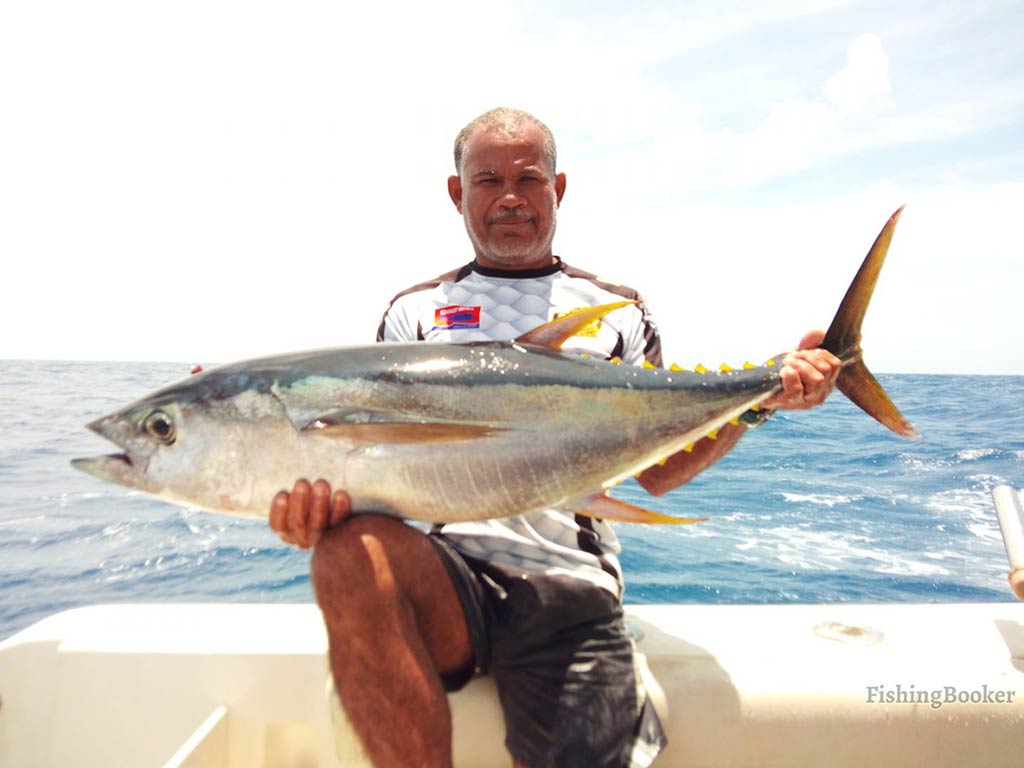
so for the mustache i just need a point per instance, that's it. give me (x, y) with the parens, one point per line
(509, 214)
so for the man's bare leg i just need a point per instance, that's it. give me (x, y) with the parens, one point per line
(394, 624)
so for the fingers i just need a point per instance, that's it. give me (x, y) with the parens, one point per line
(279, 516)
(808, 377)
(312, 517)
(341, 508)
(812, 339)
(301, 517)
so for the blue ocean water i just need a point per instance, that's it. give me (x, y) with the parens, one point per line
(821, 506)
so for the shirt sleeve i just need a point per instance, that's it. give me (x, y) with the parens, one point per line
(400, 322)
(640, 339)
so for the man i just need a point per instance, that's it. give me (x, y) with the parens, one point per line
(533, 600)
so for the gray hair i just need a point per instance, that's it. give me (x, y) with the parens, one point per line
(506, 120)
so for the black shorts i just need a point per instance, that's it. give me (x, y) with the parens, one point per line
(563, 664)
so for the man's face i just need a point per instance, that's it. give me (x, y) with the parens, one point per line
(508, 197)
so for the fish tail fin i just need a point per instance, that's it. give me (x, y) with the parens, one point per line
(860, 385)
(843, 339)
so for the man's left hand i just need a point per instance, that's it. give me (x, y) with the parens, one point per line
(808, 376)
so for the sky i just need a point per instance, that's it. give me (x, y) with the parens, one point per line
(211, 181)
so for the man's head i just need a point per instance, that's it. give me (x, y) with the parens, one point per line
(507, 189)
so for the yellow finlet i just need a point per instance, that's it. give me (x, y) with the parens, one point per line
(688, 447)
(712, 435)
(724, 368)
(770, 363)
(701, 369)
(676, 368)
(748, 366)
(616, 361)
(648, 364)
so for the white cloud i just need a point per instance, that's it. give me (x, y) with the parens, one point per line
(865, 78)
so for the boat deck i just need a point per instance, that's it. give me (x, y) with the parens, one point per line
(245, 685)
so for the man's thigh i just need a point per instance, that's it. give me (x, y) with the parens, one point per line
(374, 563)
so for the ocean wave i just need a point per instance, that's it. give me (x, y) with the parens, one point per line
(810, 549)
(820, 499)
(958, 502)
(973, 454)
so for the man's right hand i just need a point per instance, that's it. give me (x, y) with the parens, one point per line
(302, 516)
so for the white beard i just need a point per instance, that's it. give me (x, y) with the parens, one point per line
(512, 251)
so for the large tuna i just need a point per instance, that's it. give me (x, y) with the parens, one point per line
(449, 432)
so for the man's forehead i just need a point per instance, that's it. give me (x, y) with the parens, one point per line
(523, 145)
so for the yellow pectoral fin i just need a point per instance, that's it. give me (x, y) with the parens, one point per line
(605, 507)
(401, 432)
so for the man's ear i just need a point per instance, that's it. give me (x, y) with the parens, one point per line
(455, 191)
(559, 187)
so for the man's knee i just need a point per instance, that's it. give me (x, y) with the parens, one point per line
(372, 558)
(355, 551)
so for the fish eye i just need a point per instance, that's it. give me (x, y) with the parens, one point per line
(159, 425)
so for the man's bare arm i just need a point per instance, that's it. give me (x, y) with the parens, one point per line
(808, 376)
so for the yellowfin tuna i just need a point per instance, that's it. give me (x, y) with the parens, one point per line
(450, 432)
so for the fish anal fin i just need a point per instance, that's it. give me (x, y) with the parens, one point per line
(556, 332)
(605, 507)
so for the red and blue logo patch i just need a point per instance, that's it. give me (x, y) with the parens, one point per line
(456, 316)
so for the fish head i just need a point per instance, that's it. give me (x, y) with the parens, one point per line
(186, 444)
(149, 433)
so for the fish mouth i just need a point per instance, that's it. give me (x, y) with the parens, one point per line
(111, 464)
(117, 468)
(86, 462)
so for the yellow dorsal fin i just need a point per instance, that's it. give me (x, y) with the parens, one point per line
(554, 333)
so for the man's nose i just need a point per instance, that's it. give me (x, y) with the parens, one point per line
(511, 198)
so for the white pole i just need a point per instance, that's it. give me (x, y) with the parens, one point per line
(1011, 521)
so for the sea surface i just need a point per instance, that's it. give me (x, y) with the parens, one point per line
(820, 506)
